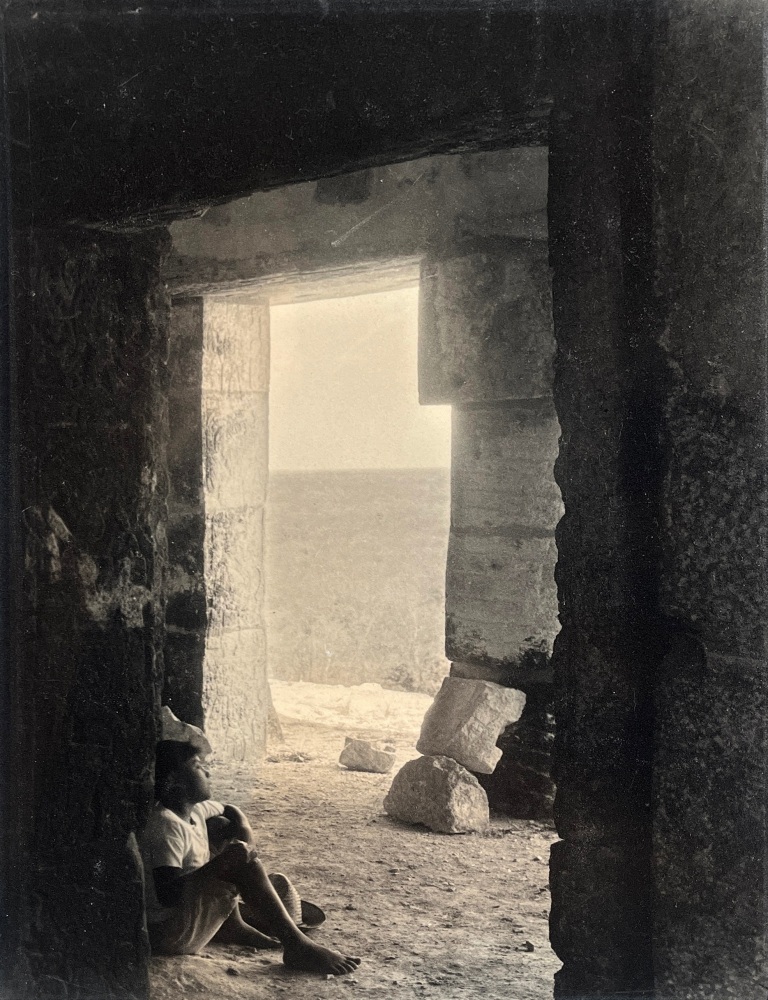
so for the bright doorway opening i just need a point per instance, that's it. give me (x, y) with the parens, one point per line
(357, 515)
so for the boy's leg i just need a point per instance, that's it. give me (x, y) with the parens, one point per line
(205, 906)
(299, 952)
(288, 896)
(235, 930)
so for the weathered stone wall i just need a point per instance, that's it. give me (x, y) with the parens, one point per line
(710, 765)
(248, 96)
(91, 318)
(235, 403)
(501, 598)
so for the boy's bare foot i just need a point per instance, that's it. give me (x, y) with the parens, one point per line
(307, 956)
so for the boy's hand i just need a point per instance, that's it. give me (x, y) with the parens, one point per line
(232, 854)
(220, 830)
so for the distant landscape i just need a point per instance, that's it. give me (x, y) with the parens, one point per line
(355, 576)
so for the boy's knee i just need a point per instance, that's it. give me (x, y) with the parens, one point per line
(253, 860)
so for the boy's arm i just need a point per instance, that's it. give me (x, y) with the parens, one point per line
(170, 882)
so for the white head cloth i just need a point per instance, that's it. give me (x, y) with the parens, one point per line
(172, 728)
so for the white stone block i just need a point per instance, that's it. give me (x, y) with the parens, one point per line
(362, 755)
(500, 594)
(440, 794)
(465, 720)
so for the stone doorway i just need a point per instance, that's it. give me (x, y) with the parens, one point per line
(505, 502)
(422, 220)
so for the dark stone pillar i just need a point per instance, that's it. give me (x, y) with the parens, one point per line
(604, 657)
(710, 761)
(91, 322)
(186, 610)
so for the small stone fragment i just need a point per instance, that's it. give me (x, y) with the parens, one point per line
(439, 793)
(466, 719)
(231, 971)
(525, 946)
(363, 755)
(289, 757)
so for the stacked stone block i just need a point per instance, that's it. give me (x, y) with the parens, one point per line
(458, 736)
(486, 347)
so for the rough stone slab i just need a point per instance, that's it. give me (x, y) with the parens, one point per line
(496, 194)
(710, 903)
(235, 693)
(465, 720)
(235, 444)
(234, 568)
(502, 468)
(500, 596)
(362, 755)
(713, 567)
(439, 793)
(485, 327)
(521, 674)
(236, 347)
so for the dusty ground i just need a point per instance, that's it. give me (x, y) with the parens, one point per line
(431, 915)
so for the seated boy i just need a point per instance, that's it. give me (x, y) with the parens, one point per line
(193, 898)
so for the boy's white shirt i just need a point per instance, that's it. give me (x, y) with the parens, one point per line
(168, 841)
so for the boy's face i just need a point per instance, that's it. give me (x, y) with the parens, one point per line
(196, 777)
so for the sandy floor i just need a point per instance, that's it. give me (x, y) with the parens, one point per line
(431, 915)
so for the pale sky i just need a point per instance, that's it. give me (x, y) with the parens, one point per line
(343, 387)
